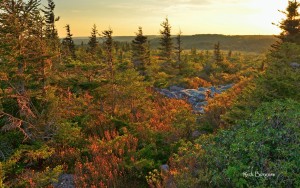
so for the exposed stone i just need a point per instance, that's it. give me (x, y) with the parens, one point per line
(295, 65)
(196, 94)
(165, 168)
(226, 87)
(168, 93)
(176, 88)
(196, 97)
(185, 93)
(193, 100)
(198, 110)
(196, 134)
(202, 89)
(65, 181)
(201, 104)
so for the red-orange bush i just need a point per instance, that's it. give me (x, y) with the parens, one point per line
(105, 167)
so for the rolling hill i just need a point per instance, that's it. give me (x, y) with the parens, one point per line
(246, 43)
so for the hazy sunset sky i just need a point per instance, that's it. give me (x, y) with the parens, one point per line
(228, 17)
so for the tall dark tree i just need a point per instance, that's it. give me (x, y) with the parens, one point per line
(93, 41)
(50, 19)
(217, 53)
(108, 45)
(108, 48)
(178, 49)
(140, 52)
(166, 43)
(68, 43)
(290, 26)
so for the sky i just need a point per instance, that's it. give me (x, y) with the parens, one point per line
(229, 17)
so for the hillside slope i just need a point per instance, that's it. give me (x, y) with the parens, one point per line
(247, 43)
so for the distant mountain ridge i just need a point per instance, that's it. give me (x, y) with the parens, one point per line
(247, 43)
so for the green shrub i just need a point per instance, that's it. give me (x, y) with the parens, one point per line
(266, 144)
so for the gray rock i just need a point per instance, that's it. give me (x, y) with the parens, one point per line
(180, 95)
(65, 181)
(201, 104)
(198, 110)
(185, 93)
(295, 65)
(193, 100)
(212, 89)
(226, 87)
(202, 89)
(165, 168)
(167, 93)
(176, 88)
(196, 134)
(196, 94)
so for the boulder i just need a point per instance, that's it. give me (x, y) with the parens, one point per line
(193, 100)
(201, 96)
(202, 89)
(198, 110)
(176, 88)
(65, 181)
(165, 168)
(185, 93)
(226, 87)
(195, 134)
(212, 89)
(201, 104)
(295, 65)
(167, 93)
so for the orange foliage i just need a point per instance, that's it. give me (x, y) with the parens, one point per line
(218, 105)
(104, 168)
(197, 82)
(66, 156)
(71, 105)
(161, 117)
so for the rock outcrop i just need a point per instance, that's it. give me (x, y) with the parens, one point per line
(196, 97)
(65, 181)
(295, 65)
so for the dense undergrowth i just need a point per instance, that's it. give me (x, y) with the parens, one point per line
(94, 112)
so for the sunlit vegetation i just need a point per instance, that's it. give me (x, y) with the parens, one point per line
(93, 112)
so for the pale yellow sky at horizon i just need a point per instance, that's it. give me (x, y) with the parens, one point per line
(229, 17)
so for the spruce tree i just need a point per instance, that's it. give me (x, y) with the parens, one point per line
(50, 19)
(290, 26)
(140, 52)
(108, 45)
(178, 49)
(25, 56)
(93, 41)
(68, 43)
(217, 53)
(108, 48)
(166, 43)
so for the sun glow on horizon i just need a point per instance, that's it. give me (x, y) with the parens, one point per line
(229, 17)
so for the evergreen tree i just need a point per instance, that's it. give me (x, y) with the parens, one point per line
(217, 53)
(50, 19)
(68, 43)
(25, 56)
(229, 55)
(290, 26)
(166, 43)
(93, 41)
(108, 48)
(140, 52)
(108, 45)
(179, 48)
